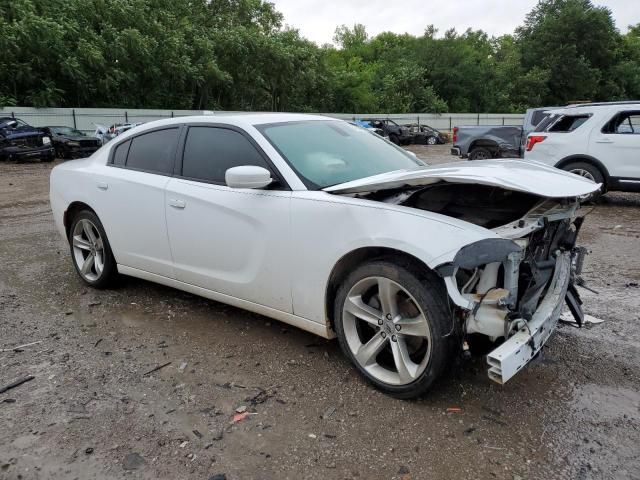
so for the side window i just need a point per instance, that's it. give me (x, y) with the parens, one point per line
(569, 123)
(120, 154)
(153, 151)
(209, 152)
(624, 123)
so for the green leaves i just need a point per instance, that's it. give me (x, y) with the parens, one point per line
(235, 55)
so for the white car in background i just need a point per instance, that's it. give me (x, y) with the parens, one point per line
(331, 228)
(599, 141)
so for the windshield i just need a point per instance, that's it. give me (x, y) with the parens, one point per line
(326, 153)
(66, 131)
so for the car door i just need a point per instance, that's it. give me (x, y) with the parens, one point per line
(231, 241)
(617, 145)
(132, 200)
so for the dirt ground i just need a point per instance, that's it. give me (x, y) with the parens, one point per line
(93, 411)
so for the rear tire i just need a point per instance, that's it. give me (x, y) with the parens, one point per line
(396, 339)
(480, 153)
(589, 171)
(90, 250)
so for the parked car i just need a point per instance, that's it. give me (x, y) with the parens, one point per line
(368, 126)
(398, 134)
(20, 141)
(71, 143)
(330, 228)
(426, 135)
(599, 141)
(108, 133)
(490, 141)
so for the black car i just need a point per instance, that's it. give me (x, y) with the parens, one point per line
(398, 134)
(426, 135)
(20, 141)
(72, 143)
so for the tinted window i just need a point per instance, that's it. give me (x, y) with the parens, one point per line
(154, 151)
(120, 155)
(624, 123)
(537, 117)
(568, 123)
(209, 152)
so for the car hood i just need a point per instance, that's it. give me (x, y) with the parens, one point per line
(529, 177)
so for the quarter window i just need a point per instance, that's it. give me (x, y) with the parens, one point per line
(568, 123)
(154, 151)
(120, 154)
(209, 152)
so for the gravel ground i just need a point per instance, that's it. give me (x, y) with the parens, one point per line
(93, 411)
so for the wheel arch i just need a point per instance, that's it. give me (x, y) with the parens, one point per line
(72, 210)
(356, 257)
(484, 143)
(586, 159)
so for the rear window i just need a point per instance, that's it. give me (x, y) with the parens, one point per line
(568, 123)
(154, 151)
(537, 117)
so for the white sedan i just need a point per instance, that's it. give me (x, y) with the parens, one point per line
(323, 225)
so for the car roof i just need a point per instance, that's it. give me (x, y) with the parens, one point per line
(238, 119)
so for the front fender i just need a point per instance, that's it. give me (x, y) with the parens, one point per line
(332, 226)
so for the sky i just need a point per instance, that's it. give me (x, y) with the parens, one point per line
(318, 19)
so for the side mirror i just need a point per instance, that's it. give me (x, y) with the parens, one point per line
(247, 176)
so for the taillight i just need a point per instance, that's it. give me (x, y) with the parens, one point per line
(455, 134)
(533, 139)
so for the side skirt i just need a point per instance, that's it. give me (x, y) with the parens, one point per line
(289, 318)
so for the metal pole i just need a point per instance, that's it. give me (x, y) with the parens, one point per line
(126, 116)
(73, 112)
(478, 119)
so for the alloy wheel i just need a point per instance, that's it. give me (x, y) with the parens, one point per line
(88, 250)
(583, 173)
(386, 331)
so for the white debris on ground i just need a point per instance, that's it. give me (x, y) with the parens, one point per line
(567, 317)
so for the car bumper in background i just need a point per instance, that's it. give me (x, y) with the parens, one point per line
(456, 151)
(81, 152)
(16, 153)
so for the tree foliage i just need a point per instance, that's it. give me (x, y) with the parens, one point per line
(236, 55)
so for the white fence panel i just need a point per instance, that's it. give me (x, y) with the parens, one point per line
(85, 119)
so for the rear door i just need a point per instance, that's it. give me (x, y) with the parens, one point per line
(133, 198)
(617, 145)
(228, 240)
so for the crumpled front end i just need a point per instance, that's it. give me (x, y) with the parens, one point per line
(512, 289)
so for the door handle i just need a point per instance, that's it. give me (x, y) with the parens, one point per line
(175, 203)
(604, 140)
(102, 186)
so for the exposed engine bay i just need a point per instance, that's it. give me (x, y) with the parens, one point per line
(511, 288)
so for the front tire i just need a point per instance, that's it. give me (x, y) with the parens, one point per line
(394, 138)
(431, 141)
(391, 321)
(90, 250)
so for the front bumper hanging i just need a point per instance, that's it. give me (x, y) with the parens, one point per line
(516, 352)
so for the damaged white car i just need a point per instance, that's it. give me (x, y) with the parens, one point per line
(328, 227)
